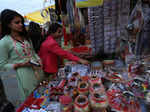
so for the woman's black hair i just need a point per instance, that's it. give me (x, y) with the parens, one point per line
(53, 28)
(6, 17)
(35, 34)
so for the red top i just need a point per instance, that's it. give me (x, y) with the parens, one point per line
(49, 52)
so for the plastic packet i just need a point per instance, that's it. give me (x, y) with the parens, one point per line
(54, 107)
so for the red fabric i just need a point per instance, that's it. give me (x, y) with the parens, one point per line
(49, 53)
(69, 37)
(26, 103)
(82, 49)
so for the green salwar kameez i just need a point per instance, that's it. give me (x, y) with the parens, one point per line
(12, 52)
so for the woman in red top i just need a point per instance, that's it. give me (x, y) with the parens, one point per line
(50, 50)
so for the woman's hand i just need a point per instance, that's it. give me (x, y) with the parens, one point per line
(26, 64)
(82, 61)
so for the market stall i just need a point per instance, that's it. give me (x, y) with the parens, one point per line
(116, 80)
(109, 85)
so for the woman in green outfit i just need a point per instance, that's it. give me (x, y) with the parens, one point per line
(16, 52)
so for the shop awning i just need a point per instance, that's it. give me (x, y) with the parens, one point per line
(36, 16)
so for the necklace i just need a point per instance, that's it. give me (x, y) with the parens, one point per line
(25, 46)
(18, 40)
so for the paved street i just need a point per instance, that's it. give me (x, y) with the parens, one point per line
(10, 85)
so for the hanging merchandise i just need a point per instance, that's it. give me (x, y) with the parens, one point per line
(84, 14)
(124, 16)
(96, 28)
(135, 23)
(57, 7)
(132, 5)
(60, 7)
(140, 22)
(44, 13)
(53, 16)
(70, 11)
(107, 25)
(64, 32)
(115, 25)
(81, 18)
(88, 3)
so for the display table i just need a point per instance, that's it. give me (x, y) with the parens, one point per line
(108, 88)
(26, 103)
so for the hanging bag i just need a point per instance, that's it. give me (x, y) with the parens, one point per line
(88, 3)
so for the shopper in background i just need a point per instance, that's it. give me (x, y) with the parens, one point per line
(50, 50)
(36, 36)
(17, 53)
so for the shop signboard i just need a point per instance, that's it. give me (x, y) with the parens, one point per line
(88, 3)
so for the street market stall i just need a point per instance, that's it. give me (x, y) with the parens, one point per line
(109, 85)
(116, 80)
